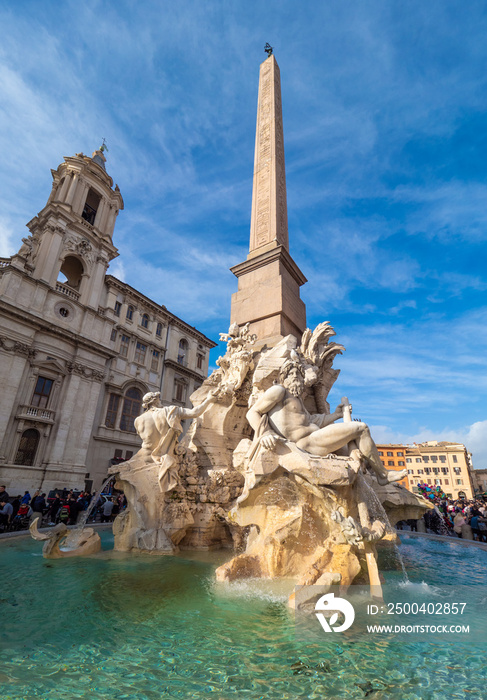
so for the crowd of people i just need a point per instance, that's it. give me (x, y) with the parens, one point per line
(61, 506)
(449, 516)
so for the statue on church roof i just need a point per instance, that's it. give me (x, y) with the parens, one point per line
(268, 49)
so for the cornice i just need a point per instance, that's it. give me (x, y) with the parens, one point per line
(83, 163)
(38, 324)
(181, 369)
(277, 254)
(61, 217)
(117, 440)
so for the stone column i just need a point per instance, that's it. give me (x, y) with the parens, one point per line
(64, 188)
(80, 196)
(101, 215)
(72, 189)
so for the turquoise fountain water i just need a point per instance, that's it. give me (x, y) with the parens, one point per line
(124, 626)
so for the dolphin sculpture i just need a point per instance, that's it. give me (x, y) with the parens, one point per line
(76, 543)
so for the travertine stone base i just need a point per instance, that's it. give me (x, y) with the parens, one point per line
(292, 533)
(268, 296)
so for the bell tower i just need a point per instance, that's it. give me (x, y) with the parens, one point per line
(70, 243)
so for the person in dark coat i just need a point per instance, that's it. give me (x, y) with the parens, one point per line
(39, 506)
(16, 505)
(3, 494)
(53, 509)
(74, 509)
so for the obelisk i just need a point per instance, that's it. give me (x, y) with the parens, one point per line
(269, 280)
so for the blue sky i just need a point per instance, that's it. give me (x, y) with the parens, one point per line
(385, 129)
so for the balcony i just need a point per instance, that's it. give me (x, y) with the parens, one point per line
(5, 261)
(68, 291)
(44, 415)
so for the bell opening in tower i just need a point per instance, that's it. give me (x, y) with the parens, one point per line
(91, 206)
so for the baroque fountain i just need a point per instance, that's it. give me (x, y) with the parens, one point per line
(268, 494)
(265, 470)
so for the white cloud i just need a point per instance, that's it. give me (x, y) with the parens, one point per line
(176, 102)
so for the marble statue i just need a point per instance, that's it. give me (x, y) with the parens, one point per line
(157, 517)
(217, 433)
(28, 249)
(237, 361)
(159, 427)
(317, 355)
(279, 414)
(60, 542)
(308, 500)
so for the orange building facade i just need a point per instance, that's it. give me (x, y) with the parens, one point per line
(394, 457)
(444, 464)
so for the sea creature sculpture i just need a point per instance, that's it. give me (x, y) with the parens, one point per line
(76, 544)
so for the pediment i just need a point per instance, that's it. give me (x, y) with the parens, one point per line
(51, 365)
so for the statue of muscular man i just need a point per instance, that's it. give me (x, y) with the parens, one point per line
(280, 413)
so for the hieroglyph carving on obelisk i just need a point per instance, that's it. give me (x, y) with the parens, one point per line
(269, 206)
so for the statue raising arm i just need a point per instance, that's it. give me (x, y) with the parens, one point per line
(198, 410)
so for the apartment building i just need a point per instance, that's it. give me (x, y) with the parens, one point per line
(444, 464)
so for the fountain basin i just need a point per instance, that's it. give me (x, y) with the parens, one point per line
(136, 626)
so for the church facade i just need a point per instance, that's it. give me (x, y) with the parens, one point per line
(78, 347)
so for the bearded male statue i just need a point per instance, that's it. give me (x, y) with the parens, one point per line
(279, 414)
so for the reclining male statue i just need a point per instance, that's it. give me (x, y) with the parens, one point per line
(280, 413)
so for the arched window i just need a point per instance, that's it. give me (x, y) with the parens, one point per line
(159, 329)
(71, 272)
(92, 203)
(183, 352)
(132, 403)
(145, 321)
(27, 449)
(112, 410)
(130, 312)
